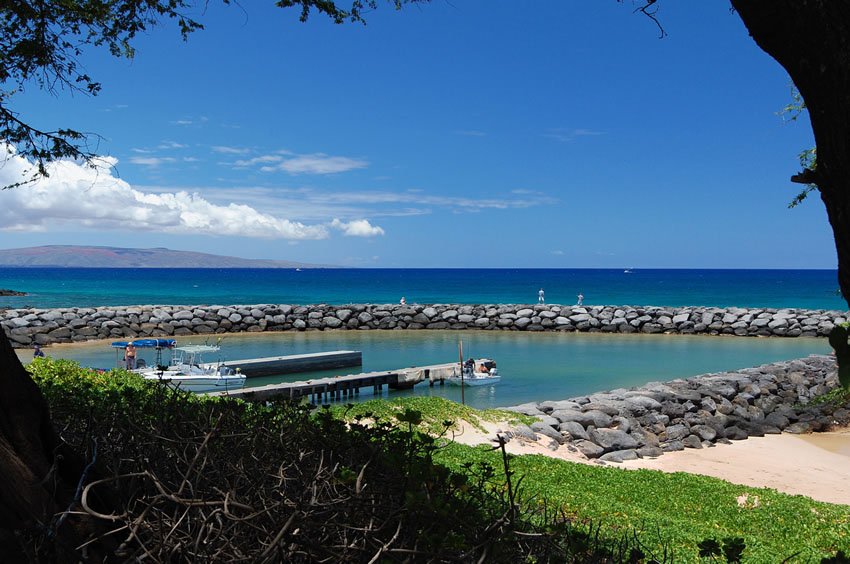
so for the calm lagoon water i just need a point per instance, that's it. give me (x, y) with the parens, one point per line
(534, 366)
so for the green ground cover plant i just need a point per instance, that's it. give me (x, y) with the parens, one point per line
(678, 510)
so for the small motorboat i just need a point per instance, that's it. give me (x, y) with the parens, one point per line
(186, 369)
(476, 372)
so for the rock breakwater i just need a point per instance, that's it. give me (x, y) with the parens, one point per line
(25, 327)
(697, 412)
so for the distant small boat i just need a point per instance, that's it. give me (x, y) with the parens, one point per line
(297, 270)
(478, 372)
(627, 271)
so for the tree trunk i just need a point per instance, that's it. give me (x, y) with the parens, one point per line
(811, 39)
(39, 473)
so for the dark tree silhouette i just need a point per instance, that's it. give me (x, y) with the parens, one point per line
(810, 40)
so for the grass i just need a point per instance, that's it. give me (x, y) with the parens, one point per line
(434, 412)
(672, 511)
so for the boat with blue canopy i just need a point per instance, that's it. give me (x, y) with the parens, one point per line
(185, 367)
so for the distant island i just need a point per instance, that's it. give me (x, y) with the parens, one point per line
(74, 256)
(5, 292)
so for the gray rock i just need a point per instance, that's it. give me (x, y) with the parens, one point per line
(526, 409)
(523, 432)
(619, 455)
(548, 420)
(585, 418)
(589, 449)
(799, 428)
(612, 439)
(645, 437)
(649, 452)
(776, 419)
(672, 409)
(674, 432)
(672, 446)
(645, 402)
(735, 433)
(575, 430)
(548, 431)
(692, 441)
(704, 432)
(556, 405)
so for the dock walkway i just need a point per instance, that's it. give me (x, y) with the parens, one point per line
(310, 362)
(322, 390)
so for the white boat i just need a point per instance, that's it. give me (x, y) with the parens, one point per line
(186, 368)
(480, 372)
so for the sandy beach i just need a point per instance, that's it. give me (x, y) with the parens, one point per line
(815, 465)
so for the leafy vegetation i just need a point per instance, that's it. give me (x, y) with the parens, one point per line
(279, 482)
(175, 477)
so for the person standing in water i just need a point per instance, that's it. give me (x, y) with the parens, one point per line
(580, 298)
(540, 298)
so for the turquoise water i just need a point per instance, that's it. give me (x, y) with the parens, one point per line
(82, 287)
(534, 366)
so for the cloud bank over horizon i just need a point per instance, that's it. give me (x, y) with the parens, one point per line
(82, 196)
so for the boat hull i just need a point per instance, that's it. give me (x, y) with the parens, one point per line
(200, 384)
(483, 381)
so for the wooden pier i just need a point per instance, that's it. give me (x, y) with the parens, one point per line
(310, 362)
(338, 388)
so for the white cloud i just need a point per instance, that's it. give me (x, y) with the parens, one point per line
(470, 133)
(316, 163)
(182, 122)
(321, 164)
(151, 161)
(230, 150)
(357, 228)
(171, 145)
(258, 160)
(78, 196)
(459, 204)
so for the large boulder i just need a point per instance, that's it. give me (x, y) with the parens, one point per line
(612, 439)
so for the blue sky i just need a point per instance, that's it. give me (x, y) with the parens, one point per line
(463, 134)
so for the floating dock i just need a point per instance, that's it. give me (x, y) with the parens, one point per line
(310, 362)
(323, 390)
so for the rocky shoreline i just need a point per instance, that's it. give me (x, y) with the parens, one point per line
(27, 326)
(697, 412)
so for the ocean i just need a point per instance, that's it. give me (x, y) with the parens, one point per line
(534, 367)
(83, 287)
